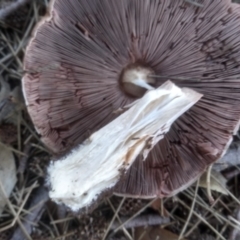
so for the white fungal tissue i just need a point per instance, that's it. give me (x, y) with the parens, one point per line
(80, 178)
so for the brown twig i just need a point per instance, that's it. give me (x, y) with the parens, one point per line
(142, 221)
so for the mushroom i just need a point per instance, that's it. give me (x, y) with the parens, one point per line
(82, 57)
(84, 175)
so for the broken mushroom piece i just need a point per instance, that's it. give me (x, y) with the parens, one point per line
(74, 83)
(94, 167)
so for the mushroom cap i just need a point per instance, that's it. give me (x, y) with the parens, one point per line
(77, 54)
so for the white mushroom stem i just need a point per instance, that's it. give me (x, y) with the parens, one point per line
(136, 80)
(142, 83)
(138, 77)
(95, 166)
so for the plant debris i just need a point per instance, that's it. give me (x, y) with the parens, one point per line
(8, 176)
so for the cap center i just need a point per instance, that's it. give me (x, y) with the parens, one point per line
(136, 79)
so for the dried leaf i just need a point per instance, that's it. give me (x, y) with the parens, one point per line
(155, 233)
(7, 174)
(215, 185)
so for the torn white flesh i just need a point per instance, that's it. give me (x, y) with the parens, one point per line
(79, 178)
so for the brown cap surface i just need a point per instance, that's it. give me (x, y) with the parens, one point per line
(76, 58)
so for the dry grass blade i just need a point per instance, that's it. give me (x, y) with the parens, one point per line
(36, 208)
(17, 214)
(190, 213)
(203, 220)
(209, 184)
(118, 218)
